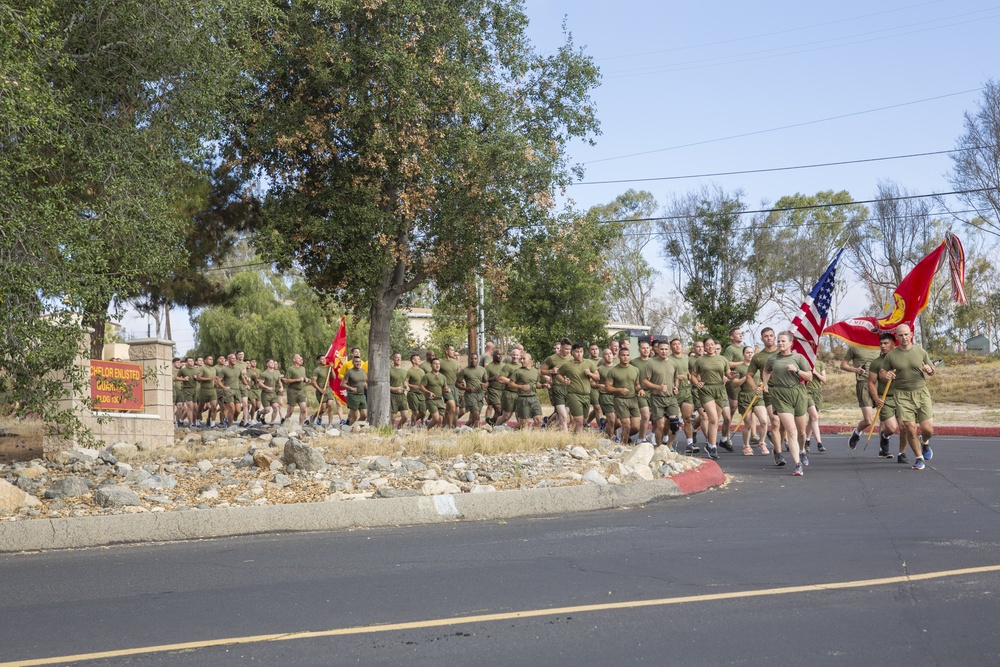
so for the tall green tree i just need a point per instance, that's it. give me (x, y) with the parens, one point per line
(805, 233)
(716, 254)
(402, 141)
(559, 284)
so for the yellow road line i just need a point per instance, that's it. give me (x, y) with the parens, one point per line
(487, 618)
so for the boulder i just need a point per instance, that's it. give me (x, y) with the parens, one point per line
(67, 487)
(123, 450)
(262, 458)
(638, 456)
(438, 487)
(595, 477)
(13, 498)
(116, 496)
(579, 453)
(303, 456)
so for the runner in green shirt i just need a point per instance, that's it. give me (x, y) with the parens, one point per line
(764, 414)
(356, 382)
(207, 396)
(887, 408)
(270, 383)
(415, 399)
(908, 367)
(645, 352)
(606, 398)
(434, 386)
(295, 382)
(319, 379)
(493, 394)
(734, 355)
(856, 361)
(814, 394)
(595, 395)
(783, 375)
(709, 374)
(508, 397)
(524, 381)
(745, 398)
(557, 394)
(685, 399)
(397, 391)
(229, 383)
(660, 382)
(575, 375)
(622, 381)
(449, 369)
(472, 381)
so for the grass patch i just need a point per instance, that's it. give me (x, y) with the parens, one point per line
(971, 384)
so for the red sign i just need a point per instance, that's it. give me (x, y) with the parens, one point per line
(116, 386)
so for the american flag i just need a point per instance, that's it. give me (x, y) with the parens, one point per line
(808, 325)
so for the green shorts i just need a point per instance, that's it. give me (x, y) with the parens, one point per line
(578, 404)
(713, 392)
(324, 396)
(190, 394)
(789, 400)
(434, 406)
(643, 402)
(415, 401)
(626, 407)
(914, 406)
(607, 403)
(767, 399)
(810, 403)
(178, 396)
(228, 396)
(354, 401)
(397, 402)
(296, 396)
(864, 398)
(493, 396)
(684, 395)
(743, 402)
(732, 392)
(508, 399)
(663, 406)
(888, 409)
(527, 407)
(473, 401)
(696, 397)
(817, 397)
(451, 396)
(595, 397)
(207, 394)
(268, 397)
(558, 393)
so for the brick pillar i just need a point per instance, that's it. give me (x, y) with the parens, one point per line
(155, 355)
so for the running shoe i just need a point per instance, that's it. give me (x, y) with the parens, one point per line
(885, 453)
(902, 459)
(713, 452)
(927, 452)
(798, 471)
(804, 458)
(918, 464)
(779, 460)
(754, 440)
(600, 422)
(692, 449)
(726, 445)
(855, 437)
(819, 446)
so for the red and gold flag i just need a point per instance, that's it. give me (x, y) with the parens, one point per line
(909, 300)
(336, 356)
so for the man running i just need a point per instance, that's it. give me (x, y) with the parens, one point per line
(207, 396)
(449, 369)
(685, 399)
(524, 381)
(415, 399)
(472, 381)
(295, 382)
(622, 381)
(765, 412)
(908, 367)
(397, 391)
(557, 394)
(493, 369)
(576, 376)
(270, 384)
(645, 351)
(886, 408)
(324, 394)
(508, 397)
(660, 381)
(856, 361)
(434, 386)
(710, 373)
(356, 382)
(605, 397)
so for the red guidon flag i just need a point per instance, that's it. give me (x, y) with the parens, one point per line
(336, 356)
(909, 299)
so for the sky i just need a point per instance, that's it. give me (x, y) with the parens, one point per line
(703, 88)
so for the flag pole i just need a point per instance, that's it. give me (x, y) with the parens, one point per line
(737, 423)
(875, 421)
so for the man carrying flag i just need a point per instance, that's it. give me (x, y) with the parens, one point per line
(907, 367)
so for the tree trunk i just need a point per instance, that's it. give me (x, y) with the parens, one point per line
(379, 353)
(97, 320)
(166, 316)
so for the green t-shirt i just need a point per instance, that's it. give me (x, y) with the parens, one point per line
(661, 371)
(230, 377)
(860, 357)
(493, 371)
(319, 375)
(296, 373)
(641, 364)
(413, 377)
(434, 383)
(579, 383)
(449, 369)
(814, 384)
(711, 369)
(188, 375)
(907, 364)
(397, 377)
(780, 375)
(602, 371)
(528, 376)
(555, 362)
(873, 368)
(209, 374)
(758, 361)
(625, 377)
(733, 352)
(507, 371)
(473, 379)
(683, 366)
(741, 372)
(425, 366)
(356, 378)
(270, 379)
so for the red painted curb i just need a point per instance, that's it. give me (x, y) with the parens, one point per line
(967, 431)
(705, 476)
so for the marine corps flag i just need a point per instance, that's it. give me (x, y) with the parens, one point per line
(909, 299)
(335, 357)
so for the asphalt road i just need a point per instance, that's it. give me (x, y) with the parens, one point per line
(826, 569)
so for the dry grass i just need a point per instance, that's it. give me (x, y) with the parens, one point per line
(436, 443)
(969, 385)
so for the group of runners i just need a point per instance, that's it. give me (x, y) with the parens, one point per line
(658, 395)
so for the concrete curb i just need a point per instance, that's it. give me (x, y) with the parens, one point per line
(80, 532)
(965, 431)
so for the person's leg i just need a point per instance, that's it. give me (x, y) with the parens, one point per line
(643, 421)
(787, 421)
(711, 421)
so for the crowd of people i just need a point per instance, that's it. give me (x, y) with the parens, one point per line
(664, 394)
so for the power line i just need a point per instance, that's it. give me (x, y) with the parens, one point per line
(807, 47)
(807, 207)
(769, 34)
(771, 169)
(786, 127)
